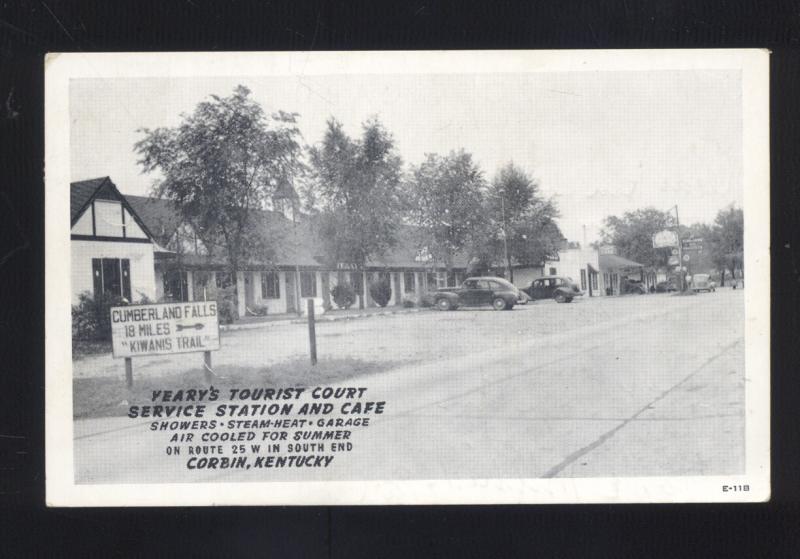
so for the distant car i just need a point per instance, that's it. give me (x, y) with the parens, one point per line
(560, 288)
(635, 287)
(702, 282)
(666, 286)
(478, 291)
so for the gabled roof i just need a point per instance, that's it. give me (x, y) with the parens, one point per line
(614, 261)
(82, 193)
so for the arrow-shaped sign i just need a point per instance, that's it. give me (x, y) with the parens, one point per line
(197, 326)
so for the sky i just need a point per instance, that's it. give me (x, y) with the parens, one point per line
(600, 143)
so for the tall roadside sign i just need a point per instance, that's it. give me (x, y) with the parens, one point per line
(164, 328)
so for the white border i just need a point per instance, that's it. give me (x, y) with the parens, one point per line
(61, 489)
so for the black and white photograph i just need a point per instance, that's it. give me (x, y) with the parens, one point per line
(409, 277)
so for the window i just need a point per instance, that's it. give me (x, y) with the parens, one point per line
(409, 282)
(583, 279)
(593, 279)
(308, 284)
(176, 288)
(552, 271)
(270, 285)
(112, 276)
(430, 279)
(223, 280)
(471, 284)
(451, 278)
(202, 285)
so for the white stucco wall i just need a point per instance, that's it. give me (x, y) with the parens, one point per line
(139, 254)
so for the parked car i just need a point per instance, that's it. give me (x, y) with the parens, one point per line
(560, 288)
(667, 286)
(478, 291)
(635, 287)
(702, 282)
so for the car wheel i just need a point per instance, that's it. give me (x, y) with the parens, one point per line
(499, 304)
(443, 305)
(559, 297)
(569, 300)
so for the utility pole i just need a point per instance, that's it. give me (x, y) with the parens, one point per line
(509, 273)
(680, 250)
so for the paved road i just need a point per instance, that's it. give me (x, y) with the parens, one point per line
(634, 386)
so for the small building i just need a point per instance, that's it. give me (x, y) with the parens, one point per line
(582, 265)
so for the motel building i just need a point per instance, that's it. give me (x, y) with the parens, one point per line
(140, 248)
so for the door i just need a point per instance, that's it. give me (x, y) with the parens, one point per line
(291, 302)
(249, 291)
(483, 295)
(468, 294)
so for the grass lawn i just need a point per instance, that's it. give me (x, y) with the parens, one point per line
(108, 396)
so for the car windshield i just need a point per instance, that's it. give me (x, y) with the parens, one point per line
(701, 277)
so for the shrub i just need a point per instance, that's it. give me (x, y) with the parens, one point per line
(227, 308)
(343, 295)
(381, 291)
(91, 320)
(409, 303)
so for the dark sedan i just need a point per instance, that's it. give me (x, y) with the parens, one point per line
(497, 292)
(560, 288)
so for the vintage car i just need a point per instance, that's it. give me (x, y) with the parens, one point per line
(702, 282)
(560, 288)
(478, 291)
(667, 286)
(633, 287)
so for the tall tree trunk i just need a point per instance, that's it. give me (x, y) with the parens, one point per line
(722, 278)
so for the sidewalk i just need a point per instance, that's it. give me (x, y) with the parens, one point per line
(252, 322)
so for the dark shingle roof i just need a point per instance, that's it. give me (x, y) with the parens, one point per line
(80, 194)
(160, 216)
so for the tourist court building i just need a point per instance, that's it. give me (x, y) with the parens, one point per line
(139, 248)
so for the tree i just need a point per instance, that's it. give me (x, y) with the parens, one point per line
(355, 186)
(632, 235)
(727, 241)
(524, 227)
(445, 202)
(219, 165)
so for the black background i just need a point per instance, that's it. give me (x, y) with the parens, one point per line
(28, 29)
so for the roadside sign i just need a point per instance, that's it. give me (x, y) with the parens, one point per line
(165, 328)
(674, 252)
(692, 244)
(685, 257)
(673, 261)
(665, 238)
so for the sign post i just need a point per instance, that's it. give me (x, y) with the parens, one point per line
(129, 372)
(312, 332)
(164, 328)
